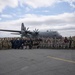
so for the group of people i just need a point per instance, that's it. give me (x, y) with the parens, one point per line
(29, 43)
(18, 43)
(64, 42)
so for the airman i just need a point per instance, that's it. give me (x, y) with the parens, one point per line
(0, 44)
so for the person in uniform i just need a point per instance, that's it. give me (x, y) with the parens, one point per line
(51, 42)
(0, 43)
(9, 43)
(4, 44)
(66, 42)
(73, 43)
(30, 43)
(70, 42)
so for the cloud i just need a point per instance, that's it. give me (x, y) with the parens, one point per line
(32, 3)
(6, 16)
(52, 20)
(0, 19)
(40, 3)
(71, 2)
(45, 3)
(10, 3)
(27, 9)
(62, 22)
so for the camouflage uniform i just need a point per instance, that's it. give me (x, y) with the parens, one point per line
(0, 44)
(70, 42)
(60, 42)
(55, 42)
(4, 44)
(45, 43)
(73, 43)
(41, 43)
(66, 42)
(9, 44)
(48, 42)
(51, 42)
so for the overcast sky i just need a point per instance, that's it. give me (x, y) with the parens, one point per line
(56, 15)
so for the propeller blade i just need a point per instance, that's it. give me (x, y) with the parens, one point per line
(27, 28)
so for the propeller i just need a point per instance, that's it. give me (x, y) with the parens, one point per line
(36, 31)
(26, 29)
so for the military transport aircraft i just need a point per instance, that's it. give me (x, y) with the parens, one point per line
(24, 32)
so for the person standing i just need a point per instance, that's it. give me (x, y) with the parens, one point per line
(70, 42)
(66, 42)
(0, 44)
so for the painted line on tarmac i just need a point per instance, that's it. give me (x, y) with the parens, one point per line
(61, 59)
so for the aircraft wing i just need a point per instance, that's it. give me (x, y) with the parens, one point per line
(10, 30)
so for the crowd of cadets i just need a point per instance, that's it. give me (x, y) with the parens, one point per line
(27, 43)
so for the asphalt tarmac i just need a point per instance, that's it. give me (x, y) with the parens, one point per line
(37, 62)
